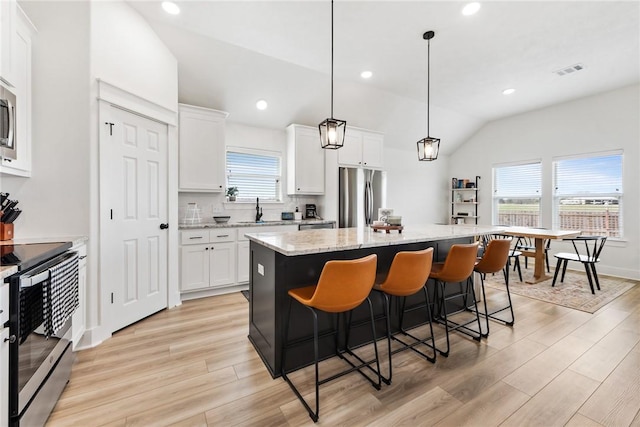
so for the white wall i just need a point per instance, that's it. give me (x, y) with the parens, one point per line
(608, 121)
(416, 190)
(54, 200)
(127, 53)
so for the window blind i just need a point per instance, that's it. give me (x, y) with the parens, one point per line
(518, 181)
(255, 175)
(589, 176)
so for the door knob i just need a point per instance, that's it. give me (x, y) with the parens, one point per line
(11, 339)
(164, 226)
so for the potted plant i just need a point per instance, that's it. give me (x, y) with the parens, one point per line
(232, 192)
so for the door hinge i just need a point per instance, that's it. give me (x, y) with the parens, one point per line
(110, 127)
(111, 213)
(111, 297)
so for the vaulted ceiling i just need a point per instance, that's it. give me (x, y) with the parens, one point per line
(232, 53)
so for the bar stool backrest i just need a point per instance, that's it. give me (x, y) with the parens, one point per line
(344, 284)
(408, 273)
(459, 263)
(495, 256)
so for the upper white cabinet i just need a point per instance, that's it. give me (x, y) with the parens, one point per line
(21, 79)
(202, 149)
(305, 160)
(7, 40)
(362, 148)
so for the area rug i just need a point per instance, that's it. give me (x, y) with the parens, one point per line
(574, 292)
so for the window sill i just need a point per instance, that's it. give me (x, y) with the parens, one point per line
(238, 205)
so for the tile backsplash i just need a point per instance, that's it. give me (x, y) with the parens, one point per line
(213, 204)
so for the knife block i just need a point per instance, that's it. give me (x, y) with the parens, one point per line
(6, 231)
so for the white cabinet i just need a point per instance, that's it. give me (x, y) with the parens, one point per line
(4, 354)
(362, 148)
(305, 160)
(21, 72)
(244, 261)
(79, 318)
(208, 259)
(202, 149)
(7, 42)
(4, 375)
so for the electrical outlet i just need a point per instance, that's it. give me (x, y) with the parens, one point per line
(216, 209)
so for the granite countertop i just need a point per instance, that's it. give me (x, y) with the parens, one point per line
(75, 240)
(212, 224)
(339, 239)
(7, 270)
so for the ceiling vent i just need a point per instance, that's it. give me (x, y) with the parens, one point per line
(569, 70)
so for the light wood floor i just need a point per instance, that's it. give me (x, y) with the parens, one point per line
(193, 366)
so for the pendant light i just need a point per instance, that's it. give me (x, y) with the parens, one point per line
(428, 147)
(332, 130)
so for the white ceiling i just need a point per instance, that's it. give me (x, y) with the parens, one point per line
(232, 53)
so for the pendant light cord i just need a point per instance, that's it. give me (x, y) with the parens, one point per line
(332, 59)
(428, 81)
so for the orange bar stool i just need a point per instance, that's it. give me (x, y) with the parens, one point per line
(342, 286)
(494, 259)
(408, 275)
(457, 268)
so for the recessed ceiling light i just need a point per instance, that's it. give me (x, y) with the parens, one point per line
(170, 7)
(262, 105)
(471, 9)
(366, 74)
(508, 91)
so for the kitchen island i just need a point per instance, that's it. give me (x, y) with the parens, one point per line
(282, 261)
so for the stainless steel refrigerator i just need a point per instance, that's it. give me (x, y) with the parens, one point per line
(361, 193)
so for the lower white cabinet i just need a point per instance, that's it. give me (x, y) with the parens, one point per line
(79, 318)
(208, 259)
(244, 261)
(218, 257)
(4, 375)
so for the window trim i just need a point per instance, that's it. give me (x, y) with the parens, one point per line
(494, 198)
(555, 210)
(256, 152)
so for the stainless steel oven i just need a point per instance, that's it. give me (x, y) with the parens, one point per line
(7, 124)
(40, 356)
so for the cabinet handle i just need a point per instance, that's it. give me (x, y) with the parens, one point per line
(196, 237)
(206, 249)
(82, 257)
(11, 339)
(223, 235)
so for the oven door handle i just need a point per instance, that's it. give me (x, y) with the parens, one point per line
(42, 273)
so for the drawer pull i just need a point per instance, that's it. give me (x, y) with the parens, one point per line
(224, 235)
(194, 238)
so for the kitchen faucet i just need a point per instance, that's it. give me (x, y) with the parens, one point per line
(258, 210)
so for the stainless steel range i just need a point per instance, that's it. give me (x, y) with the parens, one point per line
(40, 355)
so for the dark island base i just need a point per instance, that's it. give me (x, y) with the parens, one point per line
(269, 301)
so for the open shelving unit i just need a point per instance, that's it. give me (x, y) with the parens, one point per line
(464, 200)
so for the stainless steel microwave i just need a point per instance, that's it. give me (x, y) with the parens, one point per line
(7, 124)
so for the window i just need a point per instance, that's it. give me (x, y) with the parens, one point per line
(255, 173)
(516, 194)
(588, 194)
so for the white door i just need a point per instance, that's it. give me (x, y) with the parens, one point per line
(133, 193)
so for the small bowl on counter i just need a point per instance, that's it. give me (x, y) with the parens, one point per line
(221, 219)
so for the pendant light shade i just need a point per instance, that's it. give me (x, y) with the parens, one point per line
(332, 133)
(428, 147)
(332, 130)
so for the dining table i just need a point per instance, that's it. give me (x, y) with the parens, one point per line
(539, 235)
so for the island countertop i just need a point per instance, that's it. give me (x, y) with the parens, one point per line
(340, 239)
